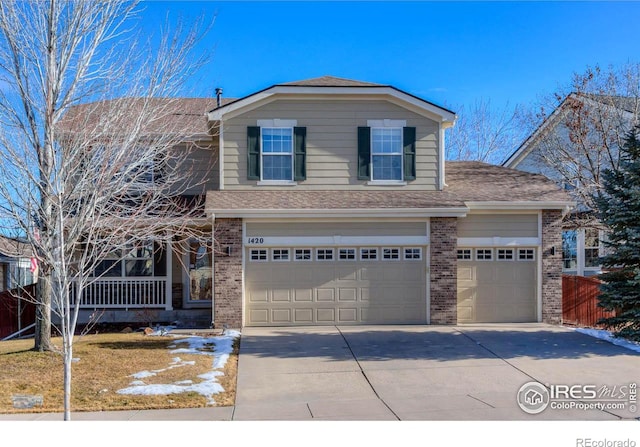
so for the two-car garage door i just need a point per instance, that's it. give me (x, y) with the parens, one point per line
(324, 273)
(330, 285)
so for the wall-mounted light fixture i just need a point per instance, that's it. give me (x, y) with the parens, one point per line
(228, 250)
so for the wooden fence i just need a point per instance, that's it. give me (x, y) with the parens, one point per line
(16, 313)
(580, 301)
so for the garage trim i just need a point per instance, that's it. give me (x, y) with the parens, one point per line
(328, 241)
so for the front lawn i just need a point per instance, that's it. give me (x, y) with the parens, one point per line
(162, 371)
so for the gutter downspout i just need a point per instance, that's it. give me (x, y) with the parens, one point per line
(213, 272)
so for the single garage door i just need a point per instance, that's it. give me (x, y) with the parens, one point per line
(497, 285)
(287, 286)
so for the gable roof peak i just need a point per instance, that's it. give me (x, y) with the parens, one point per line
(331, 81)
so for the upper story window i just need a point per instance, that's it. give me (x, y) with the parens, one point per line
(386, 152)
(276, 152)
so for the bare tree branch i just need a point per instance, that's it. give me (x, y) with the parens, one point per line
(95, 150)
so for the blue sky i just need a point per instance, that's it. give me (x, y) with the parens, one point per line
(448, 52)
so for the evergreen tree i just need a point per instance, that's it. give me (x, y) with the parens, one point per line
(618, 207)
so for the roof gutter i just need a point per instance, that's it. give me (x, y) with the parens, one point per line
(339, 213)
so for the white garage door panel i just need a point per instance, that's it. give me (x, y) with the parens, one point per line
(497, 291)
(330, 292)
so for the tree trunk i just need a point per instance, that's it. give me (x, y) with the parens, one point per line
(43, 314)
(68, 355)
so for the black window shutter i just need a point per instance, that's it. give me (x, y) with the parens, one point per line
(364, 153)
(409, 141)
(299, 153)
(253, 153)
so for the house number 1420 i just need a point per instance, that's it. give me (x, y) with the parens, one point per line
(255, 240)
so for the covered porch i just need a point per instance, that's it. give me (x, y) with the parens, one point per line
(156, 282)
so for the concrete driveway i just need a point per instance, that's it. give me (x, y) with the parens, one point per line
(470, 372)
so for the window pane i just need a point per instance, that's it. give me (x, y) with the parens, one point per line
(143, 267)
(591, 238)
(276, 167)
(386, 141)
(387, 167)
(140, 250)
(569, 249)
(591, 257)
(277, 140)
(108, 268)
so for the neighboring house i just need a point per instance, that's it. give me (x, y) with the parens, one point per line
(331, 203)
(567, 149)
(15, 264)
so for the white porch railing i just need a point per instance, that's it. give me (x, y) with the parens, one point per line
(125, 293)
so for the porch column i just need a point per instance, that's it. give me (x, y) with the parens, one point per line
(168, 300)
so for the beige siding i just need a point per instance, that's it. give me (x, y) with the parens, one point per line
(200, 168)
(502, 225)
(331, 141)
(311, 229)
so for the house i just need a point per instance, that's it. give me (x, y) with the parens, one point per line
(573, 146)
(331, 203)
(15, 264)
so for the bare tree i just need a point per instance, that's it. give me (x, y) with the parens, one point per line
(86, 174)
(483, 133)
(582, 126)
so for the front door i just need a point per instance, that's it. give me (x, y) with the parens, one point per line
(200, 274)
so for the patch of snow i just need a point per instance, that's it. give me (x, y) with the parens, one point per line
(219, 347)
(608, 336)
(143, 374)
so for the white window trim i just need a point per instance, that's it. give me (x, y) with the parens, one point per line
(273, 254)
(513, 254)
(533, 250)
(463, 250)
(276, 122)
(303, 260)
(254, 250)
(400, 251)
(377, 258)
(490, 250)
(404, 253)
(386, 182)
(326, 250)
(355, 254)
(278, 182)
(386, 123)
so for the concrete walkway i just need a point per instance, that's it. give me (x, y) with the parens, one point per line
(405, 373)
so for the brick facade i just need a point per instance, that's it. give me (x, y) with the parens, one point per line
(228, 274)
(552, 266)
(444, 270)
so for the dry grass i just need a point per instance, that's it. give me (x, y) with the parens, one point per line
(106, 363)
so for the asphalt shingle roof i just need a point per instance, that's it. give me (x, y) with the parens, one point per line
(183, 116)
(331, 81)
(466, 182)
